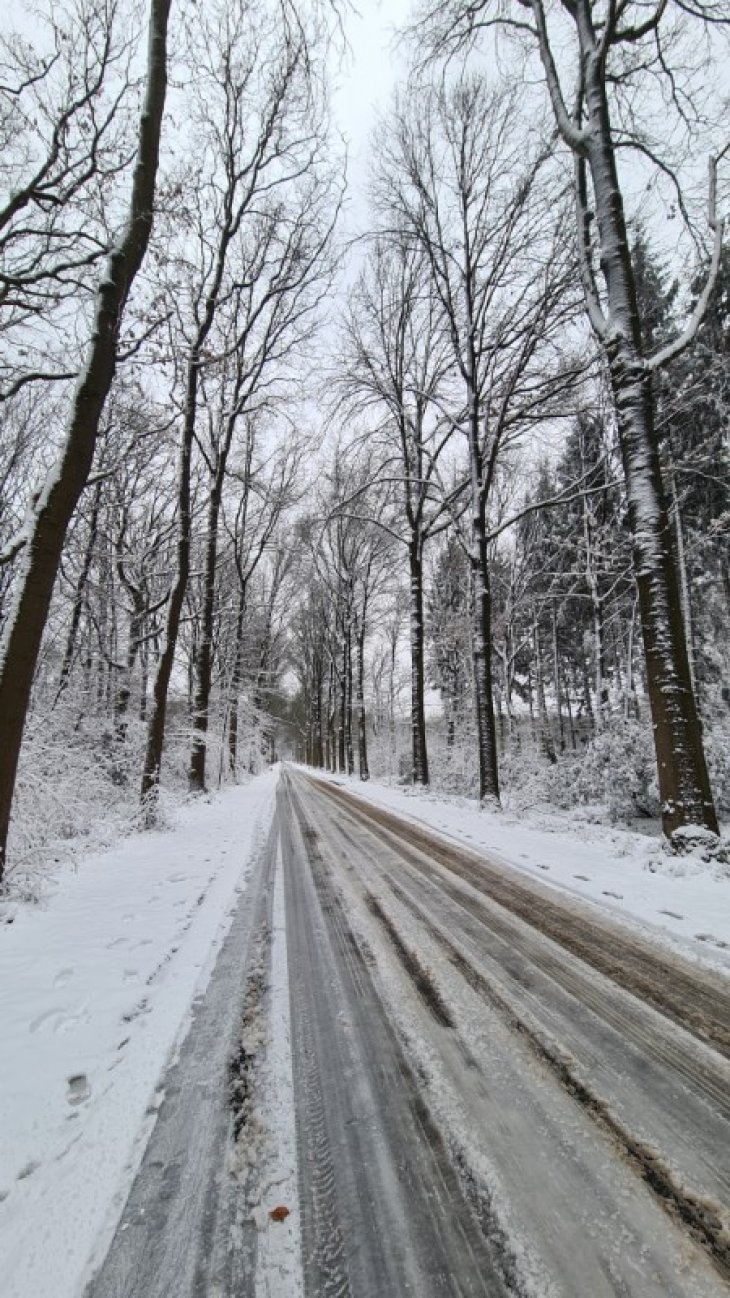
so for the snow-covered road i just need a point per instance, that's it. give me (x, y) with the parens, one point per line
(97, 983)
(416, 1071)
(588, 1125)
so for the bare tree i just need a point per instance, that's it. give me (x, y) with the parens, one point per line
(64, 146)
(599, 78)
(261, 205)
(471, 195)
(395, 361)
(51, 513)
(265, 489)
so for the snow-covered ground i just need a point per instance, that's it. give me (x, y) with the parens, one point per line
(96, 987)
(682, 901)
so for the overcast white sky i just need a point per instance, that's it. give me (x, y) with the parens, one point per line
(364, 80)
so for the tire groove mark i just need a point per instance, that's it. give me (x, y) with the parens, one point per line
(699, 1215)
(326, 1266)
(476, 1195)
(696, 1002)
(700, 1078)
(423, 980)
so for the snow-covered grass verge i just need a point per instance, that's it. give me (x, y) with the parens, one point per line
(680, 900)
(96, 985)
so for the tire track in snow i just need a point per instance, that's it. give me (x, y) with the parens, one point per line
(693, 1210)
(383, 1209)
(696, 999)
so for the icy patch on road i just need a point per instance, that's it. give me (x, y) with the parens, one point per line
(96, 987)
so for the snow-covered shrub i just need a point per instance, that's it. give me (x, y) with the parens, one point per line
(717, 751)
(77, 786)
(695, 840)
(525, 778)
(616, 769)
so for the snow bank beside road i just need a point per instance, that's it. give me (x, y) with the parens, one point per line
(677, 900)
(95, 991)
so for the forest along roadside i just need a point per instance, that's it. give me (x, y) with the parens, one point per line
(97, 984)
(588, 1127)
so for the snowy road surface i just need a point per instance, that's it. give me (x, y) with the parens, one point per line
(441, 1079)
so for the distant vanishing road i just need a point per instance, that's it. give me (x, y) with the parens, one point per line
(495, 1091)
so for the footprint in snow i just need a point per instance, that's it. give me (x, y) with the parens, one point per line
(713, 941)
(672, 914)
(142, 1007)
(31, 1166)
(59, 1019)
(63, 977)
(79, 1089)
(618, 895)
(584, 877)
(541, 867)
(117, 941)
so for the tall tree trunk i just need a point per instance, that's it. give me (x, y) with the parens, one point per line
(599, 673)
(684, 586)
(80, 595)
(349, 747)
(318, 718)
(58, 500)
(684, 786)
(419, 766)
(546, 737)
(571, 723)
(632, 702)
(557, 677)
(362, 738)
(236, 683)
(203, 669)
(331, 709)
(587, 701)
(341, 720)
(392, 743)
(482, 660)
(161, 686)
(124, 686)
(144, 677)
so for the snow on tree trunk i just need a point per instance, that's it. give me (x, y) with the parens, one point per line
(419, 760)
(481, 610)
(684, 786)
(546, 738)
(204, 655)
(236, 683)
(161, 686)
(362, 738)
(58, 500)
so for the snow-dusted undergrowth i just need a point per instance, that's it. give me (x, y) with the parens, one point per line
(78, 788)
